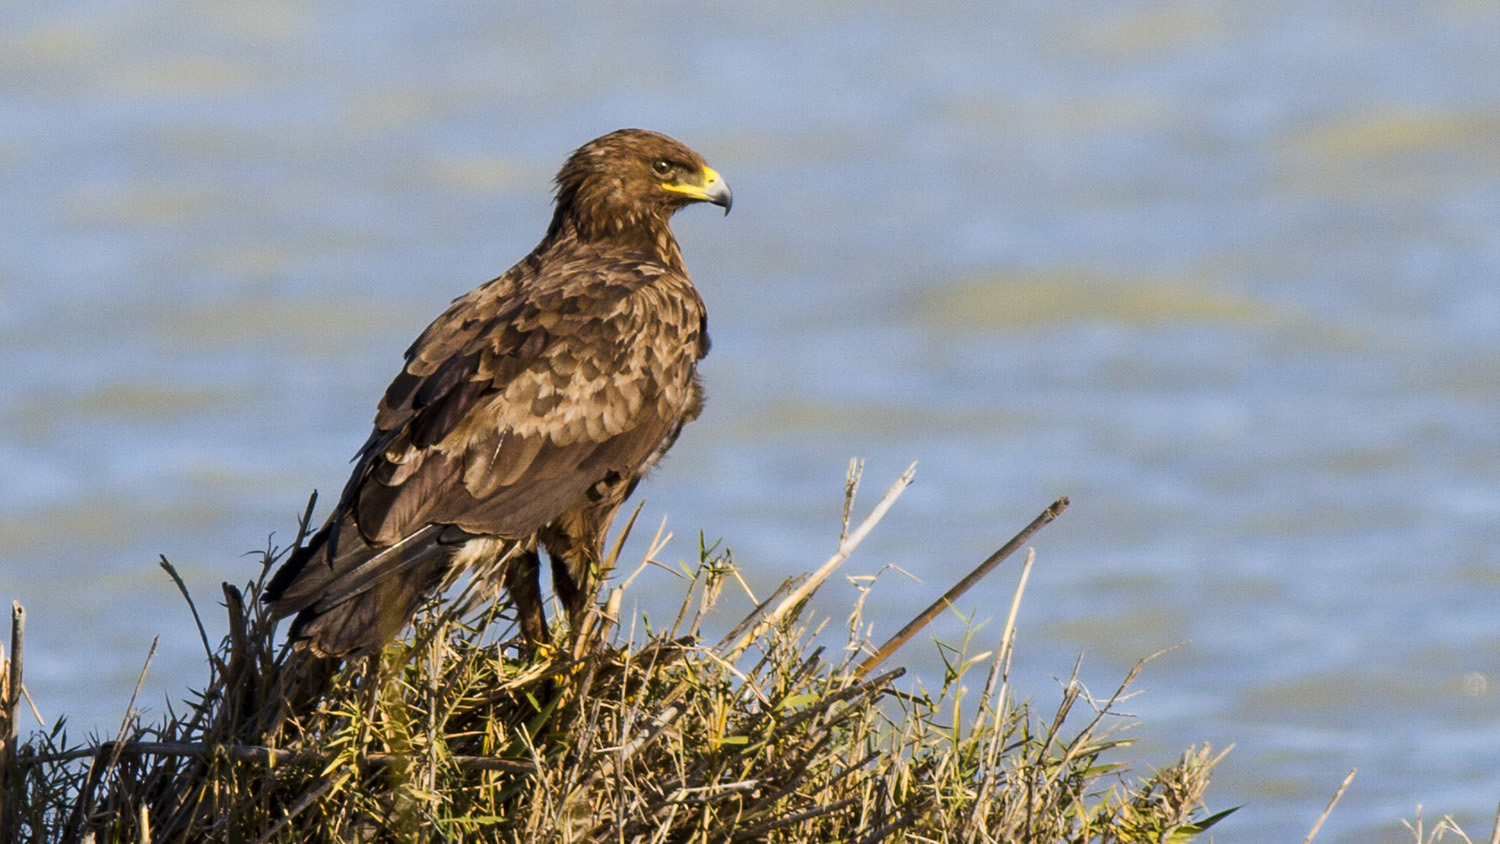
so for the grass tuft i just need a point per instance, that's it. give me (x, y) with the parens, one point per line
(626, 735)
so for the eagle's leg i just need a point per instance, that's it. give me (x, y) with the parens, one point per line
(575, 544)
(575, 569)
(572, 591)
(521, 581)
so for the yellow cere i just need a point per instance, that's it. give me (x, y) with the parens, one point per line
(710, 179)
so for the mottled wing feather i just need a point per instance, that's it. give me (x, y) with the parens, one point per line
(511, 406)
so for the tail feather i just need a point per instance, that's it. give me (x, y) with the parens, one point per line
(354, 601)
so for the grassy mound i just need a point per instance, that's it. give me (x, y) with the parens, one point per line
(628, 735)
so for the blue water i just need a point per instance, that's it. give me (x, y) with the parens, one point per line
(1224, 274)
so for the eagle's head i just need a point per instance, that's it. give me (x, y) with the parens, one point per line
(633, 180)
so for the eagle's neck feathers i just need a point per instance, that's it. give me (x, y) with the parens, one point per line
(639, 231)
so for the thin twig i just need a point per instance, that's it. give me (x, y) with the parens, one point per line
(296, 809)
(36, 713)
(130, 711)
(98, 774)
(851, 488)
(1000, 669)
(17, 655)
(799, 817)
(15, 682)
(274, 756)
(182, 587)
(613, 557)
(1331, 803)
(756, 613)
(801, 593)
(883, 832)
(999, 675)
(658, 543)
(9, 706)
(915, 625)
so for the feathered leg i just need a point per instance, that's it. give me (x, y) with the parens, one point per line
(522, 581)
(575, 544)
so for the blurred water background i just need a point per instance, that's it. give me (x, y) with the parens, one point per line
(1225, 273)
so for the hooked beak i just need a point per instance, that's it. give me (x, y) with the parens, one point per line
(714, 190)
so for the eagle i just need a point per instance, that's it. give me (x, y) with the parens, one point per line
(524, 416)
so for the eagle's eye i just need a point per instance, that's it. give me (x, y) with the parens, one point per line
(661, 166)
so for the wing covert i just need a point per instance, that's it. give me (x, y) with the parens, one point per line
(505, 414)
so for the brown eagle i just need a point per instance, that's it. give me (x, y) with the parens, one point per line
(525, 414)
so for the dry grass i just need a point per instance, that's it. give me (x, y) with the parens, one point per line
(634, 735)
(1447, 829)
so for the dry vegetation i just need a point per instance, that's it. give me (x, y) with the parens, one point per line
(632, 734)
